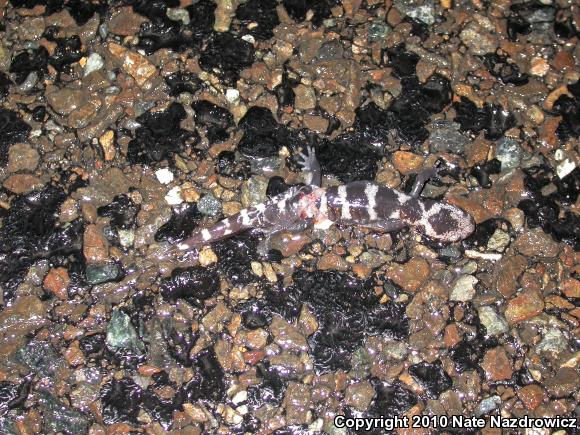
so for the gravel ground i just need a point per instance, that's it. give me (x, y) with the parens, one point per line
(124, 125)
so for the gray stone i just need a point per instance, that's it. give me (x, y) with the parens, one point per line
(59, 418)
(464, 289)
(254, 191)
(95, 62)
(509, 153)
(445, 136)
(98, 274)
(487, 405)
(554, 341)
(40, 357)
(499, 241)
(209, 205)
(493, 322)
(121, 334)
(378, 31)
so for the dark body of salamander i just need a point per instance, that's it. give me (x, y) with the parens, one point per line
(362, 203)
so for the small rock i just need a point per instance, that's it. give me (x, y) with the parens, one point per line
(66, 100)
(307, 321)
(94, 62)
(95, 245)
(57, 282)
(98, 274)
(407, 162)
(316, 123)
(22, 157)
(214, 320)
(509, 270)
(22, 183)
(509, 153)
(174, 196)
(497, 365)
(535, 242)
(493, 322)
(411, 275)
(257, 339)
(207, 257)
(478, 40)
(209, 205)
(305, 97)
(539, 67)
(571, 288)
(73, 355)
(254, 191)
(297, 404)
(287, 336)
(164, 175)
(445, 136)
(359, 395)
(499, 241)
(125, 22)
(464, 289)
(524, 306)
(178, 14)
(121, 334)
(107, 142)
(133, 63)
(531, 396)
(332, 261)
(487, 405)
(554, 341)
(59, 418)
(223, 14)
(126, 237)
(564, 383)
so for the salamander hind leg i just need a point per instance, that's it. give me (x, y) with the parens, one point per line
(310, 167)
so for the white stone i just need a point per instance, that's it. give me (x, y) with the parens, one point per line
(173, 197)
(565, 167)
(232, 95)
(95, 62)
(165, 176)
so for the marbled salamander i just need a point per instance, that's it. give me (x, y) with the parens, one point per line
(362, 203)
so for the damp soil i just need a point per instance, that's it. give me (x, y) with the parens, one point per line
(126, 125)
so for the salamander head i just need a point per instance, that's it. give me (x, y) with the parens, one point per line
(445, 222)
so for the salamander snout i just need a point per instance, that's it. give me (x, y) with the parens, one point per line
(447, 223)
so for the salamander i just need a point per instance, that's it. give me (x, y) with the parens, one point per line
(362, 203)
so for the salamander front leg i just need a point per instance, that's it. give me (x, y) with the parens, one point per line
(291, 227)
(423, 177)
(310, 167)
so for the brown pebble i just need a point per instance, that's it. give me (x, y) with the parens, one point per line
(125, 22)
(361, 270)
(22, 157)
(410, 275)
(332, 261)
(508, 271)
(451, 336)
(73, 355)
(563, 60)
(135, 64)
(407, 162)
(22, 183)
(95, 246)
(531, 396)
(536, 242)
(57, 282)
(571, 287)
(524, 306)
(497, 365)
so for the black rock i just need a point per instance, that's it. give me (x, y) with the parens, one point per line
(28, 61)
(227, 166)
(255, 314)
(263, 136)
(160, 136)
(13, 396)
(390, 399)
(297, 9)
(269, 391)
(121, 400)
(482, 172)
(122, 211)
(67, 52)
(403, 62)
(492, 118)
(276, 186)
(194, 284)
(236, 254)
(484, 231)
(262, 12)
(5, 84)
(180, 82)
(183, 221)
(207, 383)
(92, 344)
(12, 129)
(216, 119)
(506, 71)
(226, 55)
(432, 377)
